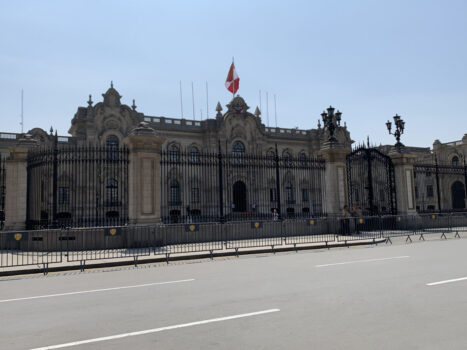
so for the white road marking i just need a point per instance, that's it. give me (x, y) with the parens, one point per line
(364, 261)
(447, 281)
(155, 330)
(95, 290)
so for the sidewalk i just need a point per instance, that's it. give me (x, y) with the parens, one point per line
(58, 261)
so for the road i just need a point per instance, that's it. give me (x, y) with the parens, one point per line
(350, 298)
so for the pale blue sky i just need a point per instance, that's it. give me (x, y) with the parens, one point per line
(370, 59)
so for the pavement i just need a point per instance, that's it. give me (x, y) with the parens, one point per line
(406, 296)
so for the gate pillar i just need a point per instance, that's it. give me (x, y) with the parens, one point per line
(16, 185)
(405, 188)
(144, 177)
(335, 177)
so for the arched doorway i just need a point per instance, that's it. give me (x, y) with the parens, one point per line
(458, 195)
(239, 196)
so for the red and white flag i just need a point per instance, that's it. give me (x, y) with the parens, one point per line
(232, 82)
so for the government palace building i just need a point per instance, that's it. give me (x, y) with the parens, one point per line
(119, 166)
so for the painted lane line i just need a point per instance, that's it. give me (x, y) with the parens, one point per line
(364, 261)
(155, 330)
(447, 281)
(95, 290)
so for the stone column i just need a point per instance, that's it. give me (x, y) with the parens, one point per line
(16, 185)
(335, 177)
(405, 187)
(144, 175)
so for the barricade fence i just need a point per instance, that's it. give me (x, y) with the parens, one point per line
(53, 246)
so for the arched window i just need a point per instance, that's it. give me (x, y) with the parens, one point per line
(174, 195)
(194, 154)
(111, 142)
(238, 148)
(455, 160)
(111, 192)
(174, 154)
(111, 145)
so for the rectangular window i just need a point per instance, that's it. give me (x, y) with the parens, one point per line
(273, 194)
(416, 191)
(63, 195)
(429, 190)
(305, 196)
(195, 195)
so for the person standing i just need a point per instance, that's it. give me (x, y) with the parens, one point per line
(345, 220)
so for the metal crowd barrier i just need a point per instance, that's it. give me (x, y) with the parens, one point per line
(52, 246)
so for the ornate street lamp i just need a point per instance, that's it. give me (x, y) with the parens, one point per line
(400, 125)
(331, 121)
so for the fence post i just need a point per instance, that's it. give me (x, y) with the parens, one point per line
(16, 185)
(465, 178)
(54, 181)
(335, 155)
(404, 182)
(144, 176)
(278, 186)
(437, 183)
(221, 187)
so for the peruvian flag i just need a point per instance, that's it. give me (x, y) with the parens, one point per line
(232, 82)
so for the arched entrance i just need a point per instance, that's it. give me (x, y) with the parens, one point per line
(458, 195)
(239, 196)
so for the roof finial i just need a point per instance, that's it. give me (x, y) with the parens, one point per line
(90, 101)
(133, 106)
(111, 84)
(219, 110)
(257, 112)
(51, 130)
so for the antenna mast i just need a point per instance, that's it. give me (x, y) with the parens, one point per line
(193, 100)
(207, 101)
(181, 99)
(275, 109)
(22, 116)
(267, 107)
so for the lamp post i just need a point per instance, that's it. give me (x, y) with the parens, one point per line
(331, 121)
(400, 125)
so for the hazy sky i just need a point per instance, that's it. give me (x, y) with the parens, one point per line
(369, 59)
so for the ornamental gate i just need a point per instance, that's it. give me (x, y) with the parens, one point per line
(371, 183)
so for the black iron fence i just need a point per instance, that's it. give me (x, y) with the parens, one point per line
(206, 187)
(54, 246)
(71, 186)
(2, 191)
(440, 186)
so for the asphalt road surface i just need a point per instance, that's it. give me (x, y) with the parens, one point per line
(410, 296)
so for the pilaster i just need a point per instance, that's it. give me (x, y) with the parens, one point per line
(335, 196)
(144, 175)
(404, 178)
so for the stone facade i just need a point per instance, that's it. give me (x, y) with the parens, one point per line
(110, 123)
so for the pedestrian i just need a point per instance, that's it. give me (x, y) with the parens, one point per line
(345, 220)
(275, 214)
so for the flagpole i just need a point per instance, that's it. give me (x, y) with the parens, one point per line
(207, 101)
(181, 99)
(233, 77)
(275, 109)
(193, 100)
(267, 107)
